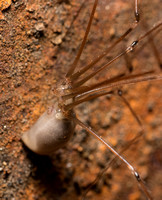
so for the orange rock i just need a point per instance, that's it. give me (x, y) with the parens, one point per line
(4, 4)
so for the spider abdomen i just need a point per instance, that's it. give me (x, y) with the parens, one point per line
(50, 132)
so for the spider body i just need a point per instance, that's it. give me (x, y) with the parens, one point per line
(50, 132)
(53, 129)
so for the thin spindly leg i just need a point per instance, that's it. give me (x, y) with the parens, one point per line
(127, 50)
(127, 146)
(153, 46)
(129, 166)
(74, 64)
(110, 163)
(75, 76)
(127, 80)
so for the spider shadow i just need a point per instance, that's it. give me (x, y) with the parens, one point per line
(49, 173)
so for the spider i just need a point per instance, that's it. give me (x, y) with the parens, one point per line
(71, 93)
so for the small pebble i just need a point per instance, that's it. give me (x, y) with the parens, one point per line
(39, 26)
(4, 127)
(4, 163)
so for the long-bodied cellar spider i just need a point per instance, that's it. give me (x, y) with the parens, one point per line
(115, 118)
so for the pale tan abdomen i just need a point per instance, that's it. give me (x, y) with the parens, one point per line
(48, 133)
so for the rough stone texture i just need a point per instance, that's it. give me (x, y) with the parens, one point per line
(38, 41)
